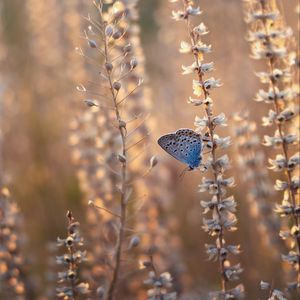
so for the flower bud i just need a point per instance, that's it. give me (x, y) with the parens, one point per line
(117, 85)
(127, 48)
(109, 66)
(133, 63)
(116, 35)
(92, 43)
(153, 162)
(134, 242)
(121, 158)
(109, 31)
(91, 102)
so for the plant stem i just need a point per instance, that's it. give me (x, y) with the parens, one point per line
(210, 126)
(123, 190)
(288, 173)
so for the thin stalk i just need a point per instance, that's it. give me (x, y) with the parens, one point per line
(123, 190)
(284, 146)
(210, 126)
(72, 267)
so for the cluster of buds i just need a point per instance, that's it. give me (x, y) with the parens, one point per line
(112, 37)
(92, 142)
(12, 284)
(71, 287)
(273, 293)
(220, 207)
(160, 284)
(152, 221)
(270, 38)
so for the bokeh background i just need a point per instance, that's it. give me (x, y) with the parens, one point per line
(39, 71)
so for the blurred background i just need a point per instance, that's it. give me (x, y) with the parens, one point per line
(39, 71)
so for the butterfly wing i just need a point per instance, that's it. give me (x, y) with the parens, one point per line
(185, 145)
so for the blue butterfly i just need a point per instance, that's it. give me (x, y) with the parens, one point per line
(185, 145)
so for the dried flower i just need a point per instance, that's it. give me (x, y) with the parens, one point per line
(270, 38)
(69, 278)
(220, 209)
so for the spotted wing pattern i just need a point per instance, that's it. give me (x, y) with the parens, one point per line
(185, 145)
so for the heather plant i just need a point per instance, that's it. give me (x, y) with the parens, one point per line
(160, 285)
(273, 293)
(221, 208)
(70, 285)
(270, 39)
(251, 162)
(151, 220)
(121, 111)
(12, 262)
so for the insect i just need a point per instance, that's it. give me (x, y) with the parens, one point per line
(185, 145)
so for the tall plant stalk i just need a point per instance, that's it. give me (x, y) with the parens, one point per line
(222, 209)
(108, 36)
(270, 41)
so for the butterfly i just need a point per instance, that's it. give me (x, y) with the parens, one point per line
(185, 145)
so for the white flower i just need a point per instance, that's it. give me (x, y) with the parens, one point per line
(201, 47)
(200, 29)
(222, 162)
(272, 141)
(235, 250)
(212, 252)
(190, 69)
(223, 143)
(268, 121)
(281, 185)
(294, 161)
(291, 258)
(277, 164)
(201, 123)
(185, 47)
(276, 75)
(261, 52)
(193, 11)
(195, 102)
(211, 83)
(228, 204)
(286, 115)
(219, 120)
(178, 15)
(207, 67)
(232, 273)
(197, 88)
(264, 285)
(271, 95)
(259, 15)
(277, 294)
(284, 209)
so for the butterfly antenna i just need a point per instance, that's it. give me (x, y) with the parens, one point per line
(184, 171)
